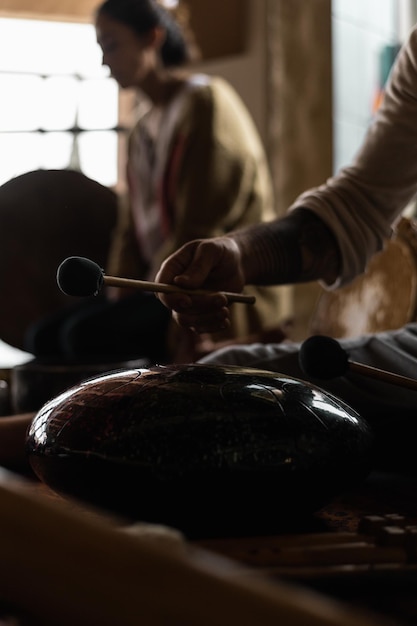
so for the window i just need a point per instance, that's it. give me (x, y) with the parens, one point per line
(360, 35)
(58, 106)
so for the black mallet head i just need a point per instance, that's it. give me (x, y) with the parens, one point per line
(78, 276)
(323, 357)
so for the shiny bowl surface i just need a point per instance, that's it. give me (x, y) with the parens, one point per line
(207, 449)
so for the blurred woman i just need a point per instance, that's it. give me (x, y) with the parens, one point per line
(196, 168)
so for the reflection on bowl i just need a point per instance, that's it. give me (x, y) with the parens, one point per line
(37, 381)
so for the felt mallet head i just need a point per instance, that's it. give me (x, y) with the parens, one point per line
(78, 276)
(323, 357)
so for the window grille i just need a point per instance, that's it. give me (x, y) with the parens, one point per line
(59, 108)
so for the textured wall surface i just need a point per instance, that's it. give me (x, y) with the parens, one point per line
(300, 113)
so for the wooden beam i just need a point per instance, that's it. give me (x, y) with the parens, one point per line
(300, 140)
(74, 10)
(219, 26)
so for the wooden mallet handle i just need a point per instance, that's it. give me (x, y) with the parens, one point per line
(383, 375)
(146, 285)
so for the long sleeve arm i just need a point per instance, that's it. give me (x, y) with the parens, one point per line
(361, 203)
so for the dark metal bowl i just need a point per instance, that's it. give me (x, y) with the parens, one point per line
(208, 449)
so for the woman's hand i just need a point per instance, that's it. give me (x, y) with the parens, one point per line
(211, 264)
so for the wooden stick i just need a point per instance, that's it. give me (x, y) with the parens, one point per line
(338, 554)
(387, 539)
(241, 547)
(347, 570)
(324, 549)
(145, 285)
(382, 375)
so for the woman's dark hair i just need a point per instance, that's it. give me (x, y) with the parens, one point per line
(143, 15)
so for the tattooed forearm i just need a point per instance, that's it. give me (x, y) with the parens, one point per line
(319, 248)
(298, 248)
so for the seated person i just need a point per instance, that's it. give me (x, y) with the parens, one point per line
(196, 168)
(329, 234)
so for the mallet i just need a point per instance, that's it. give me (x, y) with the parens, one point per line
(78, 276)
(323, 357)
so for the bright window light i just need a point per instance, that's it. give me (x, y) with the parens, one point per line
(52, 88)
(49, 48)
(20, 102)
(19, 153)
(94, 148)
(91, 112)
(55, 150)
(59, 103)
